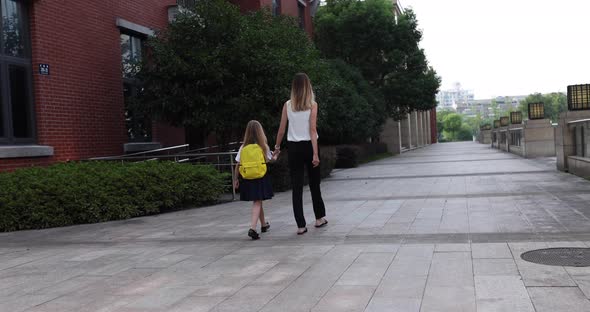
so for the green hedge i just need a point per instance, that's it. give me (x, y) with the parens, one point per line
(349, 156)
(75, 193)
(279, 170)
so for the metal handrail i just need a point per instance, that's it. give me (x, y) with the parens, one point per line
(578, 121)
(125, 157)
(159, 150)
(211, 147)
(182, 158)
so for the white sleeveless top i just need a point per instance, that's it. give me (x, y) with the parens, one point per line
(298, 125)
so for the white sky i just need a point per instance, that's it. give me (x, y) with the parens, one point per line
(506, 47)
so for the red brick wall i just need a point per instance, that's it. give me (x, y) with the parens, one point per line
(288, 7)
(79, 107)
(433, 129)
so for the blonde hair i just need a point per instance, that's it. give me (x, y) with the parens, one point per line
(302, 96)
(255, 135)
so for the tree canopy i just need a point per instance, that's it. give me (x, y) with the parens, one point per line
(555, 103)
(367, 35)
(217, 69)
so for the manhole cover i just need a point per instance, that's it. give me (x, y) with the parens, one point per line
(576, 257)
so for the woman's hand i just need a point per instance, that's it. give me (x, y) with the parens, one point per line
(275, 154)
(316, 160)
(236, 184)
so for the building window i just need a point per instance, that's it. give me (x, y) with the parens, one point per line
(16, 101)
(132, 51)
(580, 141)
(301, 14)
(515, 137)
(276, 7)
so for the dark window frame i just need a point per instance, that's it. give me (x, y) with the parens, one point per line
(135, 85)
(5, 97)
(301, 14)
(276, 7)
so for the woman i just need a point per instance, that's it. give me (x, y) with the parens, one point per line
(302, 141)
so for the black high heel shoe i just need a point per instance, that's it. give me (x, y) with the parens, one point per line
(265, 228)
(253, 234)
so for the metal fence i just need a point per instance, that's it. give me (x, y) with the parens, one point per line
(223, 161)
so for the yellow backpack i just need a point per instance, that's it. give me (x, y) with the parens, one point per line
(252, 162)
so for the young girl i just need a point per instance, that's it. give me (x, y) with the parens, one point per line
(259, 189)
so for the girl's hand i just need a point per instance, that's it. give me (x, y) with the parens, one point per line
(236, 184)
(275, 154)
(316, 160)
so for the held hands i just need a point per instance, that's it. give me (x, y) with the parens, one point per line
(275, 154)
(316, 160)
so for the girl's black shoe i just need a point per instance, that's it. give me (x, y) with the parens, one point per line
(265, 228)
(253, 234)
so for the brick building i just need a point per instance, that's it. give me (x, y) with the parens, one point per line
(64, 76)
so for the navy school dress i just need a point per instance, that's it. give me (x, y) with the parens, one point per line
(257, 189)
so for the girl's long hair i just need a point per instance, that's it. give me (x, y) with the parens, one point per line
(302, 96)
(255, 135)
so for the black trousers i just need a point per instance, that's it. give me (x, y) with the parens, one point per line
(300, 156)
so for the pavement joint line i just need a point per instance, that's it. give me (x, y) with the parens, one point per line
(440, 175)
(432, 162)
(444, 196)
(423, 238)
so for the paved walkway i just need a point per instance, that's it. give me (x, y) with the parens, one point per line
(436, 229)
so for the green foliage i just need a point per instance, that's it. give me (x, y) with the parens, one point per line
(76, 193)
(453, 128)
(452, 122)
(366, 35)
(350, 112)
(218, 69)
(440, 115)
(465, 133)
(555, 104)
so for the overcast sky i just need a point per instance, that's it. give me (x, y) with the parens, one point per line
(506, 47)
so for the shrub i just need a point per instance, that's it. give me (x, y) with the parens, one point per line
(349, 156)
(76, 193)
(279, 170)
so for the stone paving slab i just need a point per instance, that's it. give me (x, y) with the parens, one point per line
(439, 228)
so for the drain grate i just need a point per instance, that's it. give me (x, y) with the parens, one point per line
(576, 257)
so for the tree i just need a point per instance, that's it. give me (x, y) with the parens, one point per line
(217, 69)
(452, 124)
(366, 35)
(439, 122)
(350, 111)
(554, 103)
(465, 133)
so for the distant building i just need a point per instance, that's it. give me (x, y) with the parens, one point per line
(454, 98)
(485, 108)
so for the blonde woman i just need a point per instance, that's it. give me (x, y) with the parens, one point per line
(301, 111)
(260, 188)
